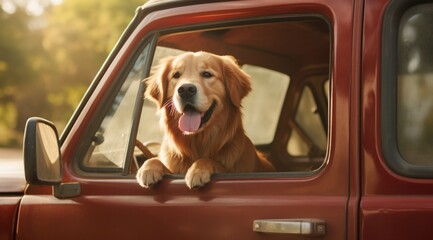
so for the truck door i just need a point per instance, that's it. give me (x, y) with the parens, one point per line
(397, 120)
(299, 54)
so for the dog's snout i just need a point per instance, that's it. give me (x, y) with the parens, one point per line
(187, 90)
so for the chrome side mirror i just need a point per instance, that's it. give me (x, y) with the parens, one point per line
(42, 158)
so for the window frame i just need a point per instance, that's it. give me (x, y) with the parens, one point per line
(388, 85)
(152, 40)
(102, 110)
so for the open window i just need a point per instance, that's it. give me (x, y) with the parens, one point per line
(285, 116)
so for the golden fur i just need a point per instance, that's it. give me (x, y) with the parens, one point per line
(210, 137)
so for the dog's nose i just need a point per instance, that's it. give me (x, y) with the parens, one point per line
(187, 90)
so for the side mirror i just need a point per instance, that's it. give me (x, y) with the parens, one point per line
(42, 159)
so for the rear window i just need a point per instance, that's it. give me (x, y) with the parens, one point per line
(415, 85)
(407, 88)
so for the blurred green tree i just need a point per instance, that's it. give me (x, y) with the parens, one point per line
(18, 47)
(48, 60)
(79, 36)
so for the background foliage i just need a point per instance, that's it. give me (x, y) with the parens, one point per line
(50, 50)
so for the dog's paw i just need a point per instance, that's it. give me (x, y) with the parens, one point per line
(148, 177)
(198, 175)
(150, 173)
(195, 179)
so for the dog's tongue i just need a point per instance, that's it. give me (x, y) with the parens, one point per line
(190, 121)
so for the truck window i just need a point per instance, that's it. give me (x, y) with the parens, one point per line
(415, 85)
(107, 150)
(285, 115)
(407, 89)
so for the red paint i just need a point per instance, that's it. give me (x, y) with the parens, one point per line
(8, 215)
(392, 205)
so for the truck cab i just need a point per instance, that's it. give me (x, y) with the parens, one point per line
(342, 105)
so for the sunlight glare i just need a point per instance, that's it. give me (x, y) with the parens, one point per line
(32, 7)
(8, 7)
(35, 8)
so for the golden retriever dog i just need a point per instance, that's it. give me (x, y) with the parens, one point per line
(199, 99)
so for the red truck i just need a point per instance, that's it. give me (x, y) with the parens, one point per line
(342, 104)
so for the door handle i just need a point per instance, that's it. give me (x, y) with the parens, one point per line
(304, 227)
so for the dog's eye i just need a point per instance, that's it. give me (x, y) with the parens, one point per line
(206, 74)
(176, 75)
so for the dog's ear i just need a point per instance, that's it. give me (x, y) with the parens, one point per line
(237, 82)
(156, 83)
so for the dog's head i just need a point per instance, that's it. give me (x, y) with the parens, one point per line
(197, 87)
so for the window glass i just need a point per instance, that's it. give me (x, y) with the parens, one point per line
(308, 136)
(326, 88)
(297, 146)
(263, 105)
(415, 85)
(108, 149)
